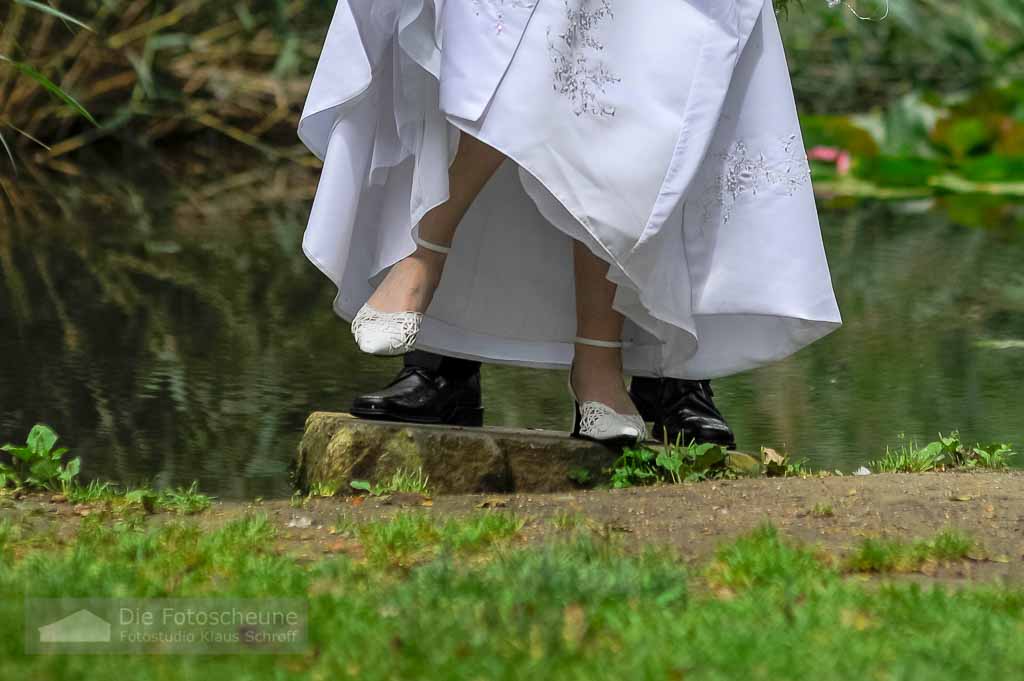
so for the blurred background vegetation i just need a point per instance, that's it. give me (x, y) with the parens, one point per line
(935, 81)
(156, 309)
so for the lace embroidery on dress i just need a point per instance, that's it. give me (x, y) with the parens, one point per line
(579, 75)
(745, 173)
(499, 20)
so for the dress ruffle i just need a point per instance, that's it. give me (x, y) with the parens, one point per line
(718, 259)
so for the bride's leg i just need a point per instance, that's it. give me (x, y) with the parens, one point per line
(410, 284)
(597, 372)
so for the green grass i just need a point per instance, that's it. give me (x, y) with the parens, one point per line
(93, 492)
(184, 500)
(181, 500)
(402, 480)
(823, 510)
(568, 521)
(886, 555)
(580, 608)
(324, 489)
(39, 466)
(763, 560)
(413, 537)
(948, 451)
(909, 458)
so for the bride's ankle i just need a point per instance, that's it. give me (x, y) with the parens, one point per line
(587, 377)
(597, 361)
(410, 284)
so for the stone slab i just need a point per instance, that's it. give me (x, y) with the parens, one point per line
(338, 448)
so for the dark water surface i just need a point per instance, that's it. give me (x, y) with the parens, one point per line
(178, 334)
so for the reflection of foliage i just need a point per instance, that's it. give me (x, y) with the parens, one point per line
(160, 347)
(189, 339)
(917, 294)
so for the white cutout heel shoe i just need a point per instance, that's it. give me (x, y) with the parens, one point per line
(390, 333)
(599, 422)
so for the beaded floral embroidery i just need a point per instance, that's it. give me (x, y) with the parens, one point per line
(579, 74)
(499, 19)
(746, 174)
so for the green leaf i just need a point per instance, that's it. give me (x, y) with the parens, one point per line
(58, 453)
(992, 168)
(51, 87)
(71, 469)
(707, 455)
(8, 474)
(670, 462)
(41, 439)
(44, 472)
(896, 171)
(53, 11)
(966, 135)
(361, 485)
(144, 497)
(21, 453)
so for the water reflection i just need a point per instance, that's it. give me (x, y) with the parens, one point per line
(172, 339)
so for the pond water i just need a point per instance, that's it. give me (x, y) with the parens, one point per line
(177, 334)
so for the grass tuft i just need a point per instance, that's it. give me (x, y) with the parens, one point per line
(762, 558)
(823, 510)
(886, 555)
(414, 537)
(947, 452)
(184, 500)
(402, 481)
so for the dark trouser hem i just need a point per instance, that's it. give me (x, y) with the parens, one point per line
(449, 367)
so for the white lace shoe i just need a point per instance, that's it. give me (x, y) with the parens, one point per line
(599, 422)
(390, 333)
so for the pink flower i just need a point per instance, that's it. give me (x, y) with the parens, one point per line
(844, 163)
(826, 154)
(841, 157)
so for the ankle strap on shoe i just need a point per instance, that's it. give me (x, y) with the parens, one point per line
(598, 343)
(429, 245)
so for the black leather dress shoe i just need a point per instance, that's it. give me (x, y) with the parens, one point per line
(425, 395)
(683, 410)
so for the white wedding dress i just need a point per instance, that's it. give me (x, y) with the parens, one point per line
(661, 133)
